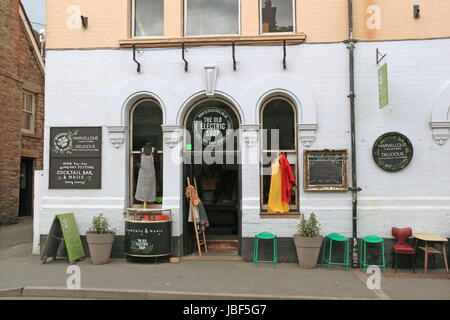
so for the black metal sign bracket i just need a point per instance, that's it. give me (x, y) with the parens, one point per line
(379, 54)
(186, 64)
(234, 57)
(134, 59)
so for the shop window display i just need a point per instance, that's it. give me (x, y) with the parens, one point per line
(278, 116)
(146, 134)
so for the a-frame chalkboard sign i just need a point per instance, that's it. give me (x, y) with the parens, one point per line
(64, 228)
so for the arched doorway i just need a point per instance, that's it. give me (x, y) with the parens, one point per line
(211, 159)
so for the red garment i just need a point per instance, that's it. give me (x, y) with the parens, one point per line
(287, 179)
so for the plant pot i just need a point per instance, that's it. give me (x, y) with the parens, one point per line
(308, 250)
(100, 246)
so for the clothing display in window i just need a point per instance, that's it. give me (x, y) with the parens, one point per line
(276, 203)
(281, 184)
(287, 178)
(146, 184)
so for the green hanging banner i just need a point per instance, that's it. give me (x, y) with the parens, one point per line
(383, 94)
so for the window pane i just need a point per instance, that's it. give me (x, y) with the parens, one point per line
(29, 102)
(277, 15)
(267, 176)
(149, 17)
(27, 120)
(147, 120)
(212, 17)
(158, 160)
(279, 114)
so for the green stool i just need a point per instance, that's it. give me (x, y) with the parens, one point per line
(335, 237)
(363, 252)
(265, 236)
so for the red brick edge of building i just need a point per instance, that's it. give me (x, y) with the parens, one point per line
(21, 68)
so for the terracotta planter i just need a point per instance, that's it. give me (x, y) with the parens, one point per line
(308, 250)
(100, 246)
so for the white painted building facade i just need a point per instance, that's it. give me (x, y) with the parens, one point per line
(99, 87)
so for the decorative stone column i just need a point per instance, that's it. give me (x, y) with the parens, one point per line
(172, 187)
(250, 155)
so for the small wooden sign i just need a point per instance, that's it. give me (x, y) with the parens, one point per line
(392, 151)
(325, 170)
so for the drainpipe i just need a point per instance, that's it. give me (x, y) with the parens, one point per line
(354, 188)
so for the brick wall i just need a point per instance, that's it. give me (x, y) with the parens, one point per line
(19, 70)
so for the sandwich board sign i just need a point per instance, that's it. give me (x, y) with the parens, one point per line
(64, 228)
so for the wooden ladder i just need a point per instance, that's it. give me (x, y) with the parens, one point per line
(197, 232)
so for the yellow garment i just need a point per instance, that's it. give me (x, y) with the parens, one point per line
(276, 203)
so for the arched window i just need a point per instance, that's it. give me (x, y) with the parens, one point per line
(278, 118)
(146, 119)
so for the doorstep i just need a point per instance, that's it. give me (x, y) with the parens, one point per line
(215, 255)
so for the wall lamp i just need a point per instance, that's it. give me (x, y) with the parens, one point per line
(84, 21)
(416, 10)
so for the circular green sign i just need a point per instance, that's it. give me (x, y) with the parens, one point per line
(392, 151)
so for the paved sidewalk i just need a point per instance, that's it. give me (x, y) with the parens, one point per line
(25, 276)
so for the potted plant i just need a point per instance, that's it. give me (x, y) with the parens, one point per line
(100, 238)
(308, 242)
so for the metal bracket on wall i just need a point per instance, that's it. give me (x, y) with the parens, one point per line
(134, 59)
(84, 21)
(380, 54)
(234, 57)
(186, 64)
(284, 54)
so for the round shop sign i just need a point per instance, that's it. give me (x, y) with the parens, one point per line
(392, 151)
(213, 126)
(62, 143)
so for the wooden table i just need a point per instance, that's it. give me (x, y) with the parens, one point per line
(429, 240)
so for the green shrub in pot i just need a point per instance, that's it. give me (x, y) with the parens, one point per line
(308, 241)
(100, 238)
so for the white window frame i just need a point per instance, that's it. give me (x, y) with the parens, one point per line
(133, 24)
(210, 35)
(33, 111)
(278, 33)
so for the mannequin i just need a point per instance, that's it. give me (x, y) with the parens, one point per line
(146, 184)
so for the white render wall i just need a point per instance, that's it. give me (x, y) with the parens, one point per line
(96, 88)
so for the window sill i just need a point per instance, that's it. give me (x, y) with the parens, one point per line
(29, 134)
(287, 215)
(149, 206)
(198, 41)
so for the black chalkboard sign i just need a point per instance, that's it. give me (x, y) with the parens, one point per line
(75, 142)
(325, 170)
(69, 173)
(148, 238)
(75, 158)
(392, 151)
